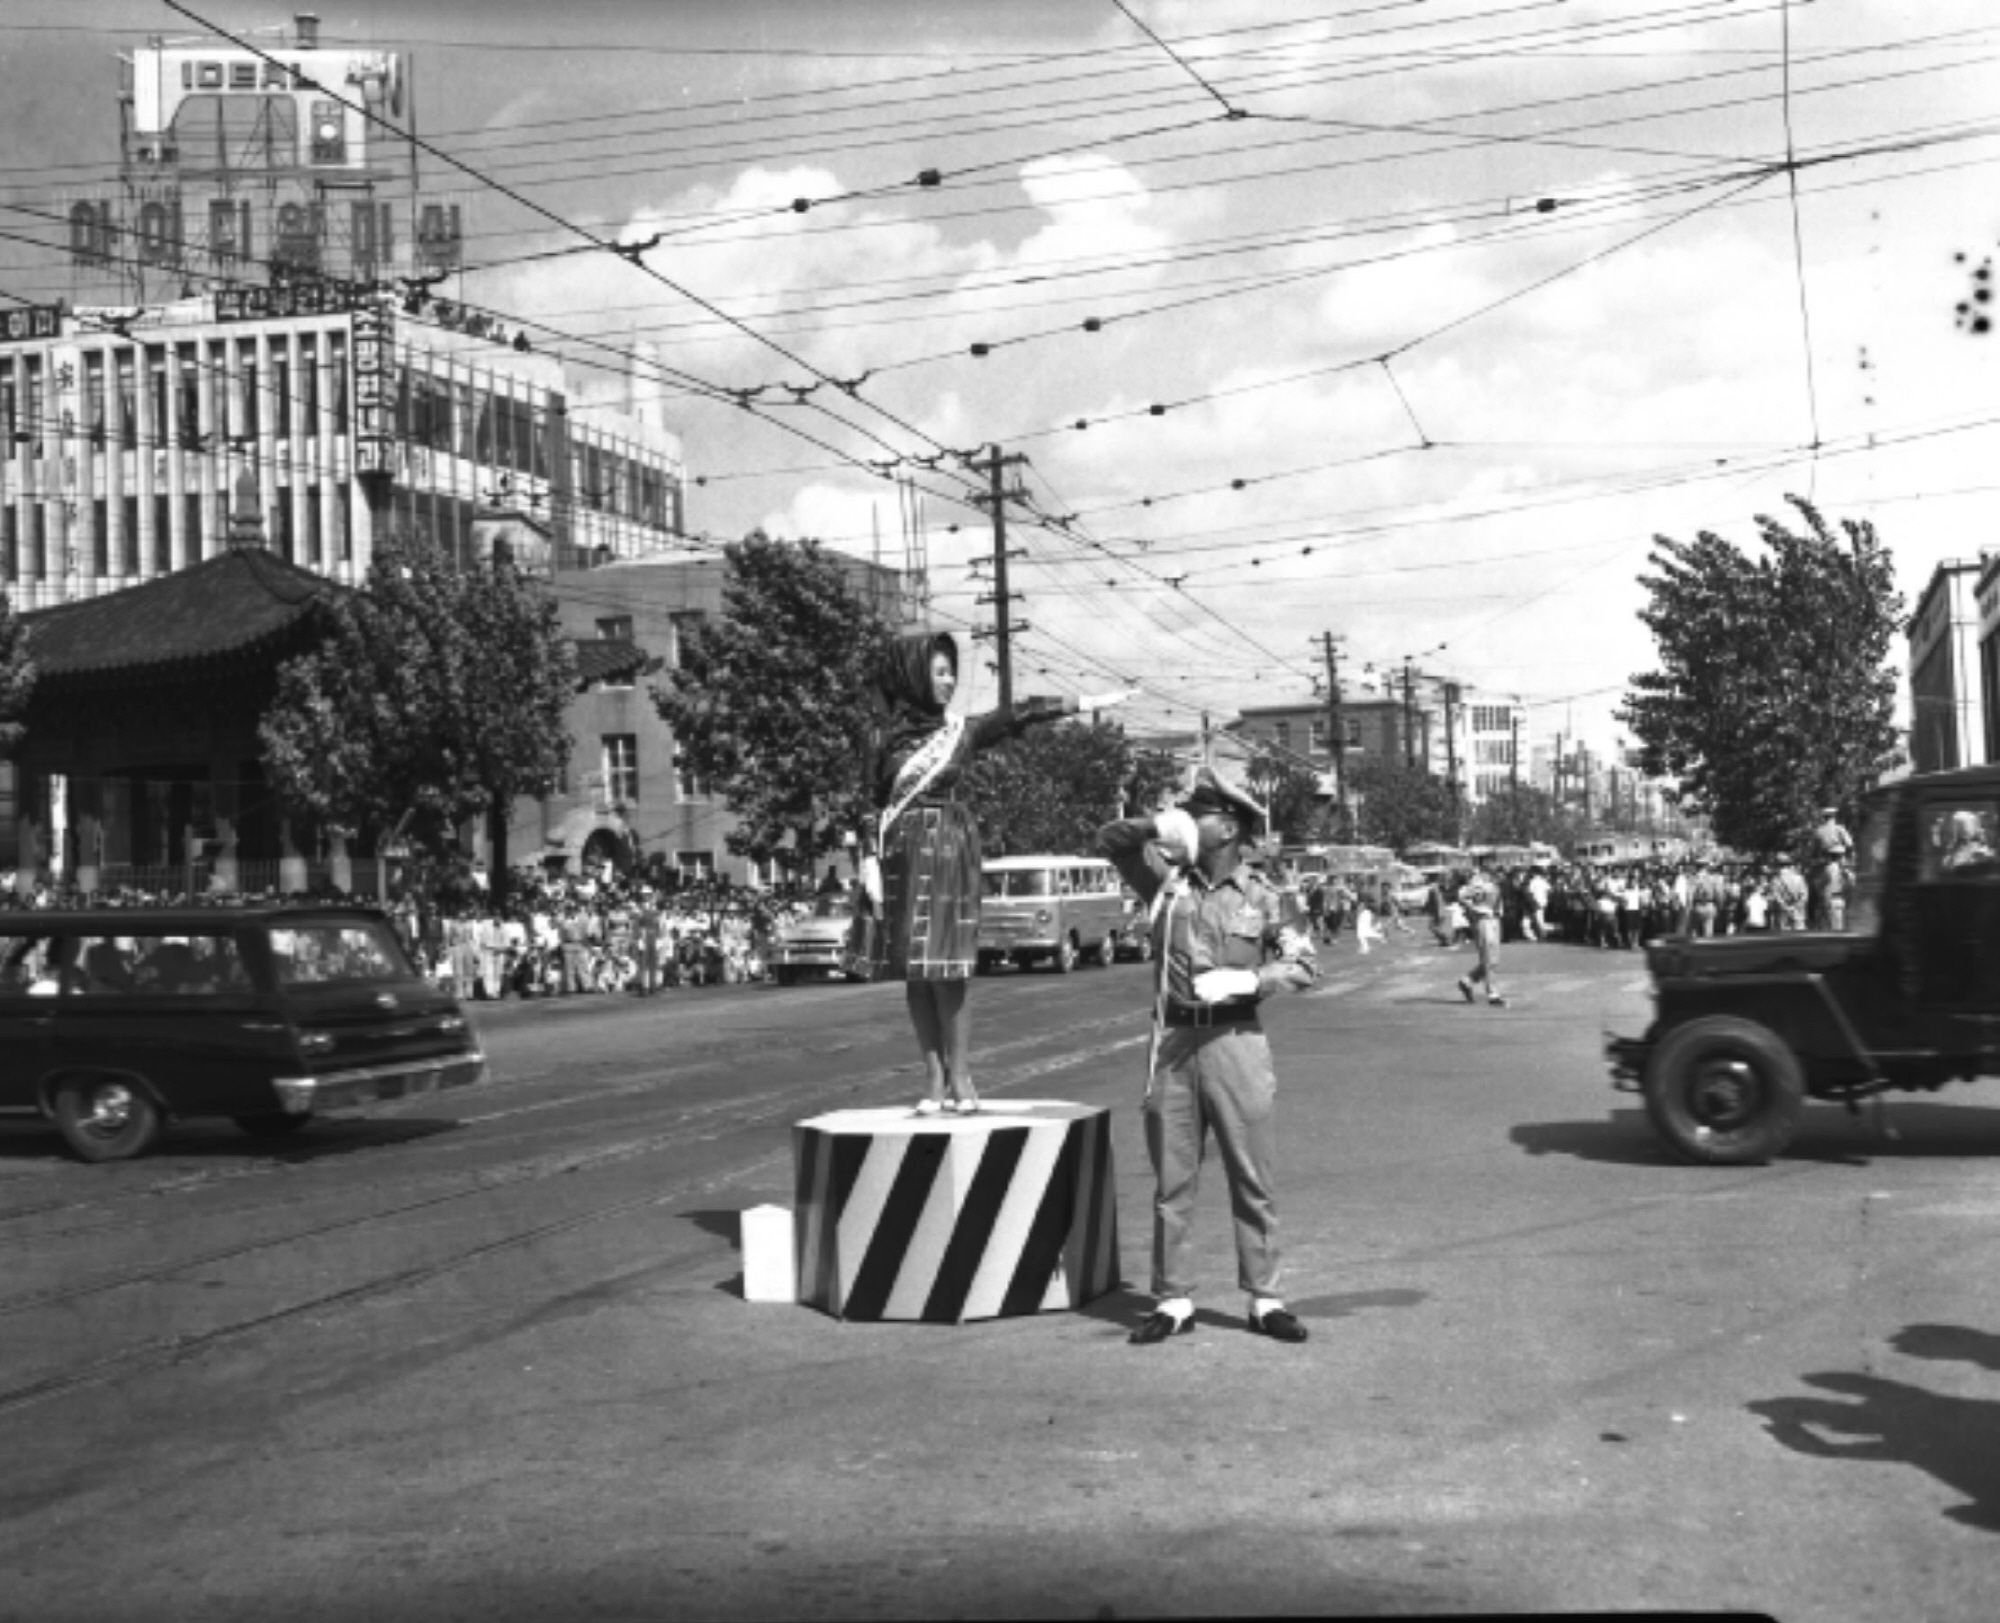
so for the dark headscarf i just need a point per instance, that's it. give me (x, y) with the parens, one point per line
(905, 679)
(909, 710)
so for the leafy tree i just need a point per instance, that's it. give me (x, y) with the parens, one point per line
(1399, 806)
(1291, 793)
(17, 678)
(1053, 787)
(773, 699)
(1774, 695)
(439, 694)
(1522, 816)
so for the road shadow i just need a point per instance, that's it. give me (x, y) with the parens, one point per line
(208, 1141)
(1950, 1342)
(1623, 1138)
(722, 1225)
(1346, 1304)
(1869, 1418)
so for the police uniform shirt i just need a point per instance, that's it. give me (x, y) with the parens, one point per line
(1231, 924)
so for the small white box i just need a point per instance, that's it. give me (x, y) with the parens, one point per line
(770, 1272)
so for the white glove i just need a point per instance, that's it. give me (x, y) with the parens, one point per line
(1090, 702)
(1179, 840)
(1221, 985)
(871, 882)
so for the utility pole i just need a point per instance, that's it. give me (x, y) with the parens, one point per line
(1336, 726)
(1409, 716)
(1451, 756)
(1207, 742)
(995, 467)
(1514, 768)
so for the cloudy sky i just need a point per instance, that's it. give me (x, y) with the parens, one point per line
(1448, 306)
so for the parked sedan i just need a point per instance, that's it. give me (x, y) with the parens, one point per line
(812, 946)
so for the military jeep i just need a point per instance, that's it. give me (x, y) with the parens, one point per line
(1906, 997)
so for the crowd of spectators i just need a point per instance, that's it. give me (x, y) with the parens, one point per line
(554, 936)
(1606, 906)
(1621, 906)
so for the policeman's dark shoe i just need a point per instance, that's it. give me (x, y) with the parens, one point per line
(1278, 1324)
(1465, 988)
(1159, 1326)
(1496, 1003)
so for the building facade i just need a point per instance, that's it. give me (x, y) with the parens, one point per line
(628, 797)
(1435, 728)
(120, 443)
(1948, 714)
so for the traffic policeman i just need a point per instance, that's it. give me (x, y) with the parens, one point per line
(1223, 940)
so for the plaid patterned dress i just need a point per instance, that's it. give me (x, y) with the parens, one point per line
(930, 894)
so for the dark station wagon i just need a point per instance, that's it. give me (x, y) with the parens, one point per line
(116, 1021)
(1906, 998)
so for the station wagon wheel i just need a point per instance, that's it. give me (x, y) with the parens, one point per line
(1725, 1091)
(107, 1118)
(1107, 951)
(1145, 945)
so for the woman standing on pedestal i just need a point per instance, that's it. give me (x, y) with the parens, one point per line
(921, 859)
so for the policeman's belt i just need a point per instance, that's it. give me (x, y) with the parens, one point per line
(1240, 1011)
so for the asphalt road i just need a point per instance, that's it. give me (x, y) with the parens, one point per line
(488, 1356)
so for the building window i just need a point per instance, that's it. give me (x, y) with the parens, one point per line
(1317, 735)
(691, 786)
(128, 401)
(694, 866)
(615, 628)
(683, 623)
(1353, 732)
(1281, 734)
(163, 532)
(621, 767)
(93, 398)
(1989, 692)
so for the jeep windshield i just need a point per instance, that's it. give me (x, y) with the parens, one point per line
(337, 954)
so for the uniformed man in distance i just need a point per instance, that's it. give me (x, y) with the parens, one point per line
(1223, 941)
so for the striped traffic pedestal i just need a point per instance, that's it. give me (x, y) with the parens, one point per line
(948, 1218)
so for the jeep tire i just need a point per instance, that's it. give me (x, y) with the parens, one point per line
(1725, 1091)
(1066, 956)
(1107, 951)
(107, 1118)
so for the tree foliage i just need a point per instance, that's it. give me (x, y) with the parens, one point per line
(1524, 815)
(1052, 788)
(17, 678)
(1773, 696)
(1398, 805)
(439, 693)
(773, 699)
(1291, 794)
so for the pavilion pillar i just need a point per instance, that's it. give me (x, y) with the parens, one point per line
(339, 864)
(28, 790)
(222, 778)
(291, 863)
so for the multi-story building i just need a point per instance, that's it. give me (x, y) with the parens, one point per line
(1948, 713)
(254, 294)
(120, 445)
(1986, 594)
(1437, 728)
(628, 796)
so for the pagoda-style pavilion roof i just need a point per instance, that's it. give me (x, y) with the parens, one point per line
(243, 603)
